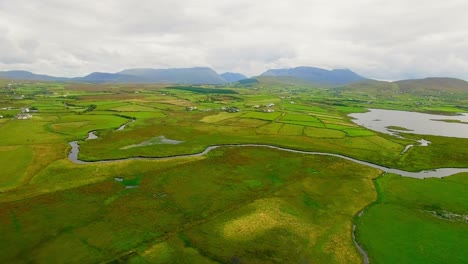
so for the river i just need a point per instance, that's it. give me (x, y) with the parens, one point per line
(436, 173)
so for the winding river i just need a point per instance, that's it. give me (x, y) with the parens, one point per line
(436, 173)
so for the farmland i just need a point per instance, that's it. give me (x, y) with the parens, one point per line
(232, 205)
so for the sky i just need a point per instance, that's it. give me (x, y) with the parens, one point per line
(380, 39)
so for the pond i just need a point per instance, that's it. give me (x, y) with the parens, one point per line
(91, 135)
(393, 121)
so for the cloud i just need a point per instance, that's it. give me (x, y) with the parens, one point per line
(379, 39)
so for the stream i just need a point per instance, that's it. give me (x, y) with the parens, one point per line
(122, 127)
(435, 173)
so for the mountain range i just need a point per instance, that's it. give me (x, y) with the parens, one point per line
(317, 75)
(302, 76)
(197, 75)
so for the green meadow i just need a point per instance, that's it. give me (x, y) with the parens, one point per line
(425, 221)
(233, 204)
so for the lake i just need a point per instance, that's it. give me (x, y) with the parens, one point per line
(417, 123)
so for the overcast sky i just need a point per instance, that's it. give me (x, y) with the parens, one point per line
(379, 39)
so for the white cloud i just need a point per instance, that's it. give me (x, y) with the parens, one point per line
(376, 38)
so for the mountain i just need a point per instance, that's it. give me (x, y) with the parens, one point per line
(103, 77)
(433, 84)
(197, 75)
(233, 76)
(428, 86)
(286, 81)
(317, 75)
(25, 75)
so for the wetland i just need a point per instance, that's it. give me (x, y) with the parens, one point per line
(156, 174)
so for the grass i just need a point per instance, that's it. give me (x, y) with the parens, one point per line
(262, 116)
(219, 117)
(358, 132)
(440, 147)
(299, 117)
(15, 161)
(80, 125)
(272, 128)
(27, 132)
(398, 128)
(292, 130)
(133, 108)
(234, 205)
(303, 123)
(323, 133)
(408, 219)
(172, 212)
(304, 108)
(203, 90)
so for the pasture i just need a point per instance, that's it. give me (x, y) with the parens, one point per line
(232, 205)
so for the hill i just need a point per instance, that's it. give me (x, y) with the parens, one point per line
(102, 77)
(317, 75)
(233, 76)
(286, 81)
(26, 75)
(426, 86)
(197, 75)
(433, 84)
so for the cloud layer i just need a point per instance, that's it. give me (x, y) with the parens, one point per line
(378, 39)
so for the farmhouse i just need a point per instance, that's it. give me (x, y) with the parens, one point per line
(23, 116)
(191, 108)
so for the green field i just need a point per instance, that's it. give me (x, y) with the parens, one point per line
(233, 204)
(262, 116)
(253, 208)
(425, 221)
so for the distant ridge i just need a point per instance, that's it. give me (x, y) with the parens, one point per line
(103, 77)
(433, 84)
(29, 76)
(299, 76)
(317, 75)
(427, 86)
(197, 75)
(233, 76)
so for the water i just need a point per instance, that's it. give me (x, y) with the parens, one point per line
(436, 173)
(91, 135)
(418, 123)
(365, 257)
(161, 140)
(122, 127)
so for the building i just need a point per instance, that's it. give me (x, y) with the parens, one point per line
(23, 116)
(190, 108)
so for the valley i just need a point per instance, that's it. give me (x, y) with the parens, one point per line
(269, 170)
